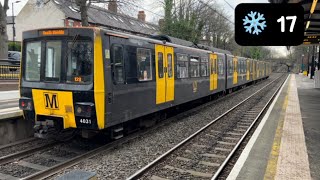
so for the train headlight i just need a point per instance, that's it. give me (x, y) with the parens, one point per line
(25, 104)
(84, 109)
(79, 110)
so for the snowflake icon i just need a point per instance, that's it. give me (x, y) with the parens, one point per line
(254, 23)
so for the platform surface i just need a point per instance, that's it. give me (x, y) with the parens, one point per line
(286, 143)
(9, 104)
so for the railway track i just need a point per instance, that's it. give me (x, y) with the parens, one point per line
(204, 154)
(42, 163)
(40, 160)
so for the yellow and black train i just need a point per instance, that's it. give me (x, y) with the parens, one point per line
(95, 79)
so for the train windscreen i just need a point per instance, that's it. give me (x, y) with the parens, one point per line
(61, 61)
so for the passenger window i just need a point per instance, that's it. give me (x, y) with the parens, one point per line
(204, 67)
(182, 66)
(216, 66)
(160, 64)
(220, 66)
(117, 62)
(195, 66)
(170, 71)
(144, 64)
(230, 66)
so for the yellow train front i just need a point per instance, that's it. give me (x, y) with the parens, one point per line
(59, 83)
(91, 79)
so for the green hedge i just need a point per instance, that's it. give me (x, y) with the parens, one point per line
(14, 46)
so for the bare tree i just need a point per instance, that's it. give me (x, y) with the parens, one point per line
(3, 30)
(84, 6)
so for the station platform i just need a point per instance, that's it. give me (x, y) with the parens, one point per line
(9, 104)
(286, 143)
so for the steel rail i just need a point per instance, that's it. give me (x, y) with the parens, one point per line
(20, 154)
(17, 142)
(150, 165)
(225, 162)
(55, 169)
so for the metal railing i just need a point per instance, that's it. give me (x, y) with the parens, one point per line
(9, 69)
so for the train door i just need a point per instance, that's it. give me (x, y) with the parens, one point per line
(164, 74)
(235, 70)
(248, 70)
(213, 72)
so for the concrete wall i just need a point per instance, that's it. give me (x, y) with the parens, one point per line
(33, 17)
(14, 130)
(9, 32)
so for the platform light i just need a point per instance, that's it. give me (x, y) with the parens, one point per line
(313, 7)
(308, 24)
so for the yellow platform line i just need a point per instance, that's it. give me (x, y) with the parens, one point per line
(274, 154)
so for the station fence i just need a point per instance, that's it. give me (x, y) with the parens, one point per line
(9, 70)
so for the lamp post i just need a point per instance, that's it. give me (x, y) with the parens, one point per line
(13, 28)
(302, 62)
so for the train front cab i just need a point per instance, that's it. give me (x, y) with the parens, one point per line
(61, 81)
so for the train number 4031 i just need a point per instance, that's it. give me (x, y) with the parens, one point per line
(85, 121)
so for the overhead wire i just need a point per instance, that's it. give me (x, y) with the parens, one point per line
(229, 4)
(216, 12)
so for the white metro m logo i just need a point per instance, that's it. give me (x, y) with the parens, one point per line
(51, 101)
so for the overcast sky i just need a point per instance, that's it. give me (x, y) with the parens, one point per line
(154, 11)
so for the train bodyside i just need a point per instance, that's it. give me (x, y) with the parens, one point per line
(175, 75)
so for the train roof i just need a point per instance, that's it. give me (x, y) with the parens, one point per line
(182, 42)
(159, 39)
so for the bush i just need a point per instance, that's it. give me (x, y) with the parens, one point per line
(14, 46)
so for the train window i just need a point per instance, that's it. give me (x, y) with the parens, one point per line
(215, 68)
(144, 64)
(117, 63)
(220, 65)
(235, 65)
(245, 66)
(170, 70)
(204, 66)
(80, 62)
(194, 67)
(160, 64)
(212, 66)
(53, 61)
(230, 64)
(33, 57)
(242, 66)
(182, 66)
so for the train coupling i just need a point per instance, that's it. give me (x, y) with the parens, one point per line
(41, 131)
